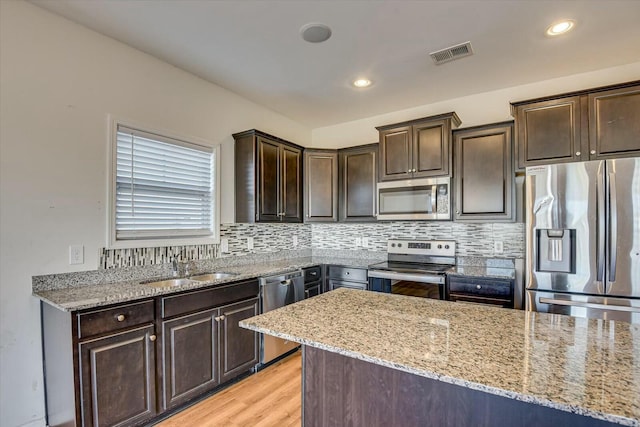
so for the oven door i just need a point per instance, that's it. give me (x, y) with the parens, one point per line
(415, 285)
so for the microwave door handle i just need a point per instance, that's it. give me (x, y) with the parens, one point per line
(434, 191)
(613, 228)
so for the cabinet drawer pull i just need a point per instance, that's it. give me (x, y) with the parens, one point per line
(120, 317)
(478, 287)
(152, 337)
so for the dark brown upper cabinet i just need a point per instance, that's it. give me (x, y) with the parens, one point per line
(588, 125)
(358, 178)
(418, 148)
(549, 132)
(484, 177)
(614, 123)
(268, 178)
(320, 185)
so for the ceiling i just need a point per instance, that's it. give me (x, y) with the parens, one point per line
(254, 48)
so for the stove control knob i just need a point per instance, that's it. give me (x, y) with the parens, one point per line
(439, 246)
(446, 246)
(393, 245)
(399, 245)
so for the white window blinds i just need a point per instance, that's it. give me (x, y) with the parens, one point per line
(164, 187)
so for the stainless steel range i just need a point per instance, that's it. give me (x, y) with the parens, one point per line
(414, 267)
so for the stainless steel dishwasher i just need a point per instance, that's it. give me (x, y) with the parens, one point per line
(276, 292)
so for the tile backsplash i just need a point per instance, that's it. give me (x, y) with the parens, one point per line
(472, 240)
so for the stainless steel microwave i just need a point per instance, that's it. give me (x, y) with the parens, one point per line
(425, 198)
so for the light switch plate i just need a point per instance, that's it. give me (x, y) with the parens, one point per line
(76, 254)
(365, 242)
(250, 243)
(224, 246)
(295, 241)
(498, 247)
(358, 242)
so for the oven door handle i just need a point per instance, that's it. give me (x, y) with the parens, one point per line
(420, 278)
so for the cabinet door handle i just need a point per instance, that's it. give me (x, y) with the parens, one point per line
(413, 170)
(120, 317)
(578, 153)
(152, 337)
(478, 287)
(592, 151)
(219, 318)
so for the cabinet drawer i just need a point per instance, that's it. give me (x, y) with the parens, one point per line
(347, 273)
(312, 274)
(335, 284)
(481, 286)
(201, 300)
(112, 319)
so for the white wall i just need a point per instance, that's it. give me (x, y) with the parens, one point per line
(58, 83)
(473, 110)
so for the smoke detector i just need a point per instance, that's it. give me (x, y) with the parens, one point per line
(453, 52)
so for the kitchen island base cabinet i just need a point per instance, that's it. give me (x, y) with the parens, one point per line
(339, 390)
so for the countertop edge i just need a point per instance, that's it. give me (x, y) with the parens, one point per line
(624, 421)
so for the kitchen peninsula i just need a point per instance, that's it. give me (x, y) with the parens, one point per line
(378, 359)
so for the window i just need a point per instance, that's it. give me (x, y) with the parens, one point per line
(163, 190)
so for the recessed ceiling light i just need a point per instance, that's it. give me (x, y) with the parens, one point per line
(560, 27)
(362, 83)
(315, 33)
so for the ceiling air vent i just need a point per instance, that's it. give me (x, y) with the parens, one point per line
(451, 53)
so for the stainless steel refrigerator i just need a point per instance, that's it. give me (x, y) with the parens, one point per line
(583, 239)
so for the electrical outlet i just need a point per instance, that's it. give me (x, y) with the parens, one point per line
(295, 241)
(76, 254)
(250, 243)
(365, 242)
(498, 247)
(224, 246)
(358, 242)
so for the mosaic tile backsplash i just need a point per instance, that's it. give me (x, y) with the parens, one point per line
(472, 240)
(266, 238)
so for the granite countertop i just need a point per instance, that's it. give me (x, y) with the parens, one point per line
(80, 297)
(585, 366)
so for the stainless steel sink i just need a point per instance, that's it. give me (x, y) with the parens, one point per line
(168, 283)
(212, 276)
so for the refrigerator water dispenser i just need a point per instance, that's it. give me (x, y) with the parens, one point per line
(556, 249)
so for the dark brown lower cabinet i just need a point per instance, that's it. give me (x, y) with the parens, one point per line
(118, 378)
(107, 367)
(189, 364)
(205, 349)
(238, 346)
(340, 391)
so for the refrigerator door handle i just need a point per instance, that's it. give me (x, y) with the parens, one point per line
(613, 228)
(552, 301)
(600, 203)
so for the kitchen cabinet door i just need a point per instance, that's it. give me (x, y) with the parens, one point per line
(190, 356)
(321, 185)
(484, 177)
(268, 178)
(431, 142)
(417, 148)
(395, 151)
(238, 346)
(614, 123)
(117, 377)
(550, 132)
(358, 179)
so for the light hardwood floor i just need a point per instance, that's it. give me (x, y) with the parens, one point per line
(272, 397)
